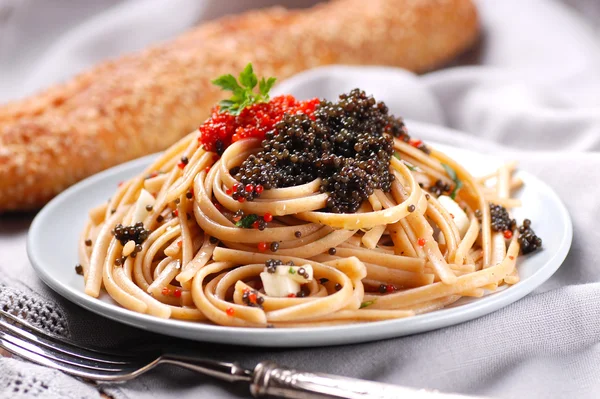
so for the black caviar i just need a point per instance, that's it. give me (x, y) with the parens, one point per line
(79, 269)
(135, 232)
(271, 265)
(527, 238)
(500, 219)
(440, 188)
(252, 298)
(348, 145)
(302, 272)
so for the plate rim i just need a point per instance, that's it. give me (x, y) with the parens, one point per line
(311, 336)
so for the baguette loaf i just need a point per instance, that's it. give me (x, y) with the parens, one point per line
(142, 103)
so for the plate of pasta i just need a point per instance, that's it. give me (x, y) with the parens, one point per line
(285, 222)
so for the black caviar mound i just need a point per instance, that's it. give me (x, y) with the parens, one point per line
(348, 145)
(500, 218)
(527, 238)
(135, 232)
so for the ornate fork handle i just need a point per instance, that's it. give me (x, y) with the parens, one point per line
(271, 380)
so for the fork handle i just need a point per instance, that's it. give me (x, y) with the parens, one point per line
(271, 380)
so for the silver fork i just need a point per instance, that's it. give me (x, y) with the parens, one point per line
(266, 380)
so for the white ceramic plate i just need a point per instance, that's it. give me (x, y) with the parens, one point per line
(52, 249)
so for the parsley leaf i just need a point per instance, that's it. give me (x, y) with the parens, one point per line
(411, 167)
(457, 182)
(247, 221)
(243, 90)
(367, 303)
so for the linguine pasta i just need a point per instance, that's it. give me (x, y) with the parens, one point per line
(177, 242)
(182, 272)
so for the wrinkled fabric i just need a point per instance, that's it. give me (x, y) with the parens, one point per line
(529, 91)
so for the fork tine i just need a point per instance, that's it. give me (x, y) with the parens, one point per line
(57, 355)
(24, 325)
(29, 352)
(25, 331)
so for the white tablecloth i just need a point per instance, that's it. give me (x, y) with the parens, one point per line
(532, 88)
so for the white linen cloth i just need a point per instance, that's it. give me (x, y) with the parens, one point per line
(531, 91)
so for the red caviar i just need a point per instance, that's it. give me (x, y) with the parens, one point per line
(176, 212)
(507, 234)
(268, 217)
(262, 246)
(249, 188)
(228, 191)
(222, 129)
(181, 165)
(177, 293)
(416, 143)
(421, 242)
(230, 311)
(390, 288)
(259, 189)
(292, 295)
(165, 291)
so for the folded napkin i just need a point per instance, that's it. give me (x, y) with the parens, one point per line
(529, 92)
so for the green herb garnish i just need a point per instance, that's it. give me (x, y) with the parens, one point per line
(291, 271)
(410, 167)
(367, 303)
(243, 92)
(247, 221)
(457, 182)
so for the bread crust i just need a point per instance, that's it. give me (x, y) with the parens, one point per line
(142, 103)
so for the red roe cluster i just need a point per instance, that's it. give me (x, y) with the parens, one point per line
(222, 129)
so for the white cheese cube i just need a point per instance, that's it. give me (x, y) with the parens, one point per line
(277, 285)
(292, 272)
(459, 216)
(140, 212)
